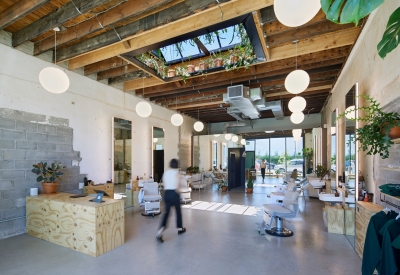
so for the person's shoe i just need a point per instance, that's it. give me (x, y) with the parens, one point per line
(181, 231)
(159, 239)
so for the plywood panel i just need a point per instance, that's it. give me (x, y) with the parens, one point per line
(335, 219)
(78, 224)
(108, 188)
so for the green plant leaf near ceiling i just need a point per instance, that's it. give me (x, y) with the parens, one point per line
(390, 38)
(348, 11)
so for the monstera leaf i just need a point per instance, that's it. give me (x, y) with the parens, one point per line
(390, 38)
(347, 11)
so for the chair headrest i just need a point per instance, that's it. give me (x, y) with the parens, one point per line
(150, 188)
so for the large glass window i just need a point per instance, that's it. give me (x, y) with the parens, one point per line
(262, 153)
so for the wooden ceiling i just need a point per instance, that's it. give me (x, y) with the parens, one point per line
(95, 33)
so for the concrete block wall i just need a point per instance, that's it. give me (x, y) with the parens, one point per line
(25, 139)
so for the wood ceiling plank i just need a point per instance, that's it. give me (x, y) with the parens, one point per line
(260, 32)
(55, 19)
(116, 71)
(128, 10)
(198, 103)
(138, 74)
(199, 20)
(18, 11)
(137, 83)
(107, 64)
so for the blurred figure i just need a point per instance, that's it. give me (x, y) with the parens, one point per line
(263, 165)
(294, 174)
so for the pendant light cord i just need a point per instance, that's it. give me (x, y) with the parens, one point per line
(55, 47)
(143, 87)
(296, 54)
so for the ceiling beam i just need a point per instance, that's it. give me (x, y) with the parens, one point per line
(125, 11)
(107, 64)
(198, 19)
(309, 89)
(199, 103)
(19, 10)
(261, 36)
(116, 72)
(138, 74)
(55, 19)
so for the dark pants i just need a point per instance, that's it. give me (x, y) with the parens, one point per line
(172, 199)
(263, 173)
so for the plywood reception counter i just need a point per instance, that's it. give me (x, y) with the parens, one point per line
(77, 223)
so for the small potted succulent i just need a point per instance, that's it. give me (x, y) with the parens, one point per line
(47, 174)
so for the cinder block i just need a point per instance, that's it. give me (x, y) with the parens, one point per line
(5, 227)
(30, 176)
(23, 164)
(69, 187)
(7, 204)
(27, 126)
(15, 193)
(6, 185)
(1, 154)
(36, 155)
(21, 202)
(36, 137)
(6, 164)
(54, 155)
(20, 223)
(64, 131)
(7, 123)
(68, 140)
(27, 145)
(25, 183)
(7, 144)
(14, 154)
(47, 146)
(12, 174)
(71, 171)
(64, 148)
(12, 135)
(13, 213)
(56, 139)
(72, 155)
(52, 130)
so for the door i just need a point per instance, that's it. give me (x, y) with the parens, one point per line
(232, 171)
(158, 157)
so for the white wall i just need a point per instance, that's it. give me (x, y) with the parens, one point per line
(90, 106)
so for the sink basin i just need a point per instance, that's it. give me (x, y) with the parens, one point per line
(317, 183)
(351, 199)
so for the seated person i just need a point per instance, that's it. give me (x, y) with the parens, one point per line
(294, 174)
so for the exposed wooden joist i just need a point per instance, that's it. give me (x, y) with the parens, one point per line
(19, 10)
(198, 103)
(310, 89)
(199, 20)
(140, 65)
(125, 77)
(113, 62)
(55, 19)
(267, 15)
(116, 71)
(128, 10)
(261, 36)
(137, 83)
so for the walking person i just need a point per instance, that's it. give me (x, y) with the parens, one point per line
(262, 166)
(171, 180)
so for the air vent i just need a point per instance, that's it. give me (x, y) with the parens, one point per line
(238, 92)
(255, 94)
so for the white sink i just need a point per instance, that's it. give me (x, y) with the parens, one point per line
(351, 199)
(317, 183)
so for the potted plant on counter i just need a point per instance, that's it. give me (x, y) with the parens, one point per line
(381, 127)
(47, 174)
(223, 185)
(321, 171)
(249, 187)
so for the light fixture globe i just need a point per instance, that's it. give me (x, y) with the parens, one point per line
(297, 81)
(143, 109)
(294, 13)
(54, 80)
(350, 112)
(176, 119)
(297, 138)
(228, 136)
(216, 135)
(297, 104)
(155, 140)
(243, 141)
(198, 126)
(296, 131)
(297, 117)
(235, 138)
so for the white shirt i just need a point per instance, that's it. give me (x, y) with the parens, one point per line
(262, 165)
(171, 179)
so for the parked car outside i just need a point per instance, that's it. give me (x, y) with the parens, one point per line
(291, 165)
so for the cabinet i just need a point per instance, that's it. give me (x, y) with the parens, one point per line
(364, 212)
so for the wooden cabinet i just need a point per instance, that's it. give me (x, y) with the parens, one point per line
(76, 223)
(364, 212)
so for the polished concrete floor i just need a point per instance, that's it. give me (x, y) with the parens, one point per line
(215, 243)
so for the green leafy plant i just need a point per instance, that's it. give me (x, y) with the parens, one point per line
(278, 171)
(390, 38)
(374, 136)
(308, 154)
(47, 173)
(347, 11)
(321, 171)
(250, 182)
(222, 183)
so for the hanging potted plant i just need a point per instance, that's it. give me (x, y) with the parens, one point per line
(47, 175)
(376, 136)
(249, 187)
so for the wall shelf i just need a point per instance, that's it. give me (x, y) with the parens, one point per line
(396, 140)
(391, 197)
(390, 168)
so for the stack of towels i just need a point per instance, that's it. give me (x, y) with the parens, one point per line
(390, 189)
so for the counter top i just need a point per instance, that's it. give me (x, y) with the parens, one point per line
(65, 197)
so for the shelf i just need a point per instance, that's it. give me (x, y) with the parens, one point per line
(391, 197)
(390, 168)
(396, 140)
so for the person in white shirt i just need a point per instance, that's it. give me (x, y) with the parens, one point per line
(171, 180)
(262, 166)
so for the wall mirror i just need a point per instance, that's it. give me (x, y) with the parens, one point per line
(349, 168)
(158, 153)
(224, 156)
(214, 154)
(122, 155)
(334, 150)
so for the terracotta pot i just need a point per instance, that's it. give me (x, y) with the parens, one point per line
(394, 132)
(49, 187)
(234, 59)
(202, 66)
(224, 188)
(249, 190)
(277, 176)
(190, 68)
(218, 62)
(171, 73)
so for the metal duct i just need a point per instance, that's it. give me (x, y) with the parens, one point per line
(274, 106)
(239, 96)
(232, 124)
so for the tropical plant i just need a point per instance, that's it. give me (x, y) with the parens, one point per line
(308, 154)
(222, 183)
(250, 182)
(47, 173)
(321, 171)
(374, 136)
(390, 38)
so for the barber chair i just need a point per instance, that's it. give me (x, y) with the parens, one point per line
(184, 191)
(152, 199)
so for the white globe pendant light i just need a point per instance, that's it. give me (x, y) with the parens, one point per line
(176, 119)
(53, 79)
(269, 132)
(297, 104)
(228, 136)
(350, 112)
(143, 109)
(297, 81)
(243, 141)
(294, 13)
(235, 138)
(297, 138)
(297, 117)
(216, 135)
(198, 126)
(155, 140)
(296, 132)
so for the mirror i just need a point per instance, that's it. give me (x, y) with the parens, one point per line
(349, 169)
(334, 145)
(121, 155)
(214, 154)
(158, 153)
(224, 155)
